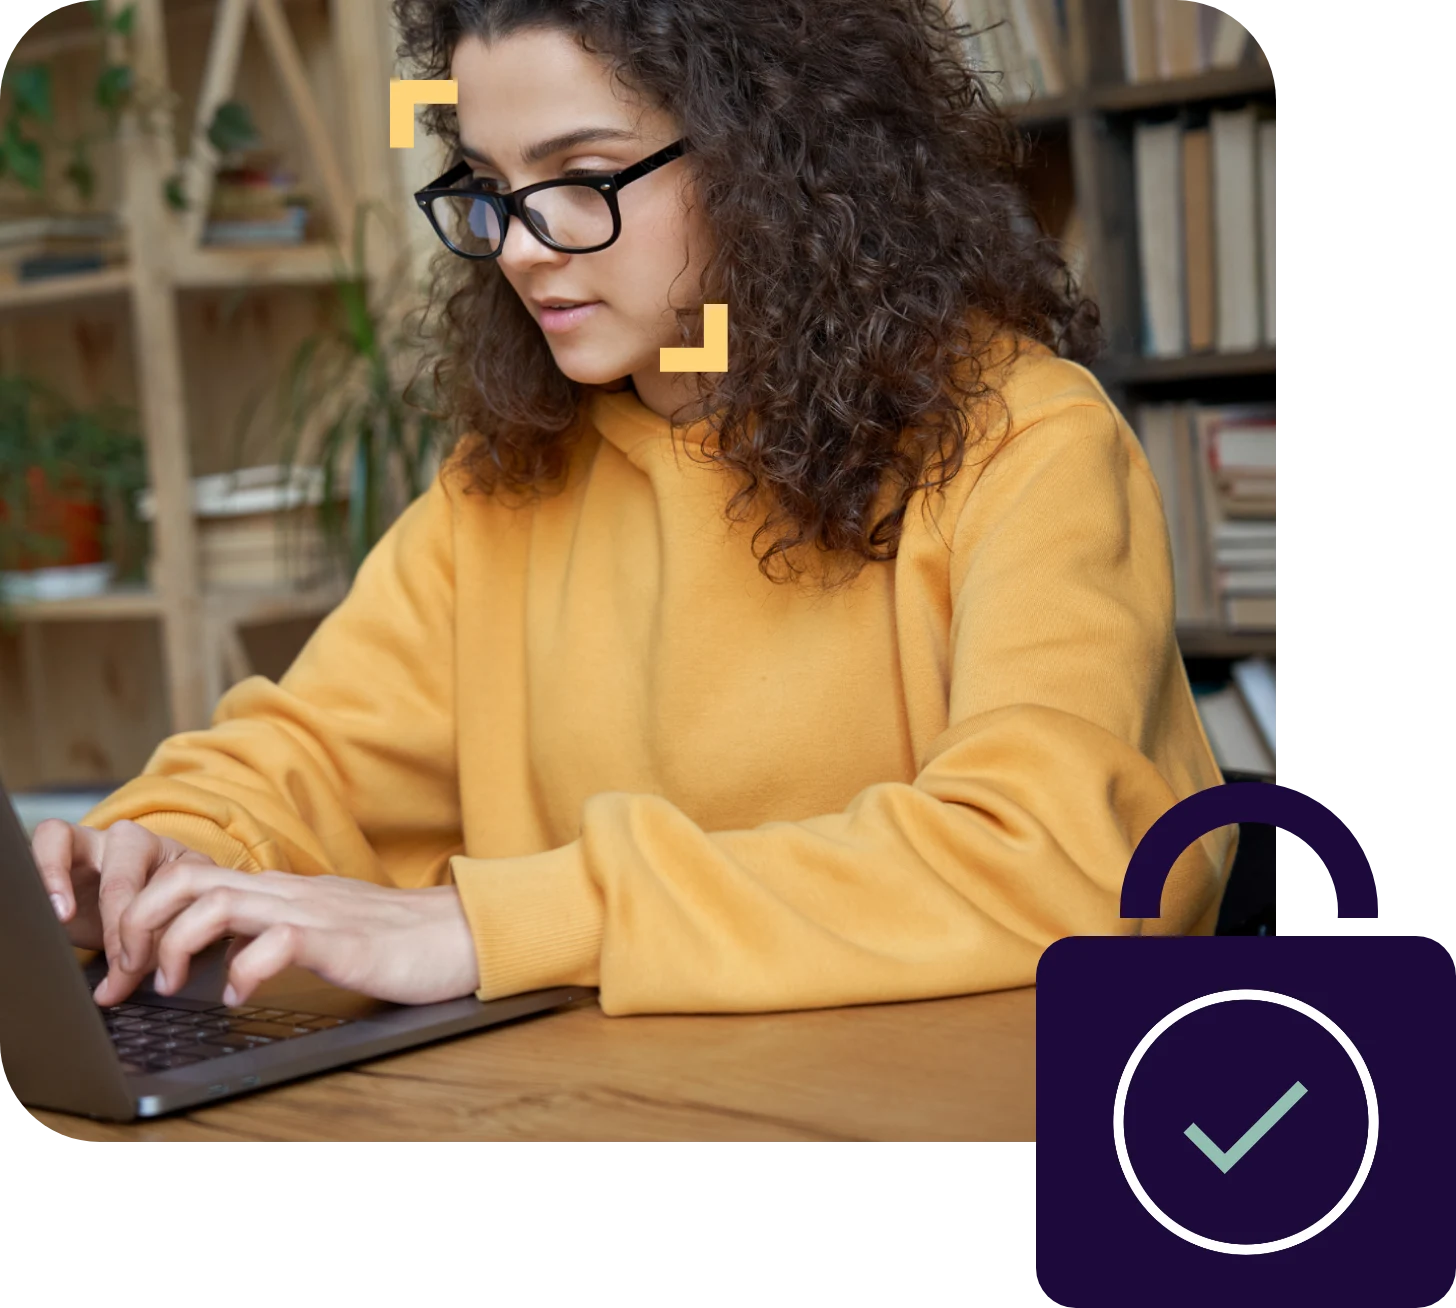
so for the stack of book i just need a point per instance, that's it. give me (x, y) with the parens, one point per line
(1205, 212)
(1165, 39)
(1022, 43)
(255, 202)
(258, 529)
(1238, 717)
(1215, 468)
(57, 245)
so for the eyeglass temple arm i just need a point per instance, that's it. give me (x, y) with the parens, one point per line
(665, 155)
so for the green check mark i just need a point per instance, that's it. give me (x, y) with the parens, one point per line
(1251, 1137)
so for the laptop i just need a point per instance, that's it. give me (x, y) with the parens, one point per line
(158, 1053)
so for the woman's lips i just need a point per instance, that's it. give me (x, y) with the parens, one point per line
(564, 320)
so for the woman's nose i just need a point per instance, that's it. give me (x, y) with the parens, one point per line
(523, 249)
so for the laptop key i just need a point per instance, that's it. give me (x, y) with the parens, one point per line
(274, 1029)
(233, 1040)
(176, 1060)
(325, 1023)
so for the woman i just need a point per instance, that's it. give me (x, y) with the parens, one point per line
(847, 675)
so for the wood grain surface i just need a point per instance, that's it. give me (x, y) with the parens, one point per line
(943, 1069)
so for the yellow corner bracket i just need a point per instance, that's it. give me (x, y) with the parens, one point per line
(404, 95)
(711, 356)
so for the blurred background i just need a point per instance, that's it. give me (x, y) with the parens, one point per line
(207, 257)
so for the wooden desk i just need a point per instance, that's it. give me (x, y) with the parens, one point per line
(943, 1069)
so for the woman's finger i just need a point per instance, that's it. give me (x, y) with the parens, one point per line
(58, 847)
(282, 946)
(235, 945)
(169, 892)
(128, 856)
(223, 910)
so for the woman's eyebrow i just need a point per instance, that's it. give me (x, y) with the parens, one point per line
(545, 149)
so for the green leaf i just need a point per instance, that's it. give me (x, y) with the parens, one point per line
(173, 193)
(121, 20)
(23, 158)
(232, 128)
(31, 86)
(80, 173)
(113, 87)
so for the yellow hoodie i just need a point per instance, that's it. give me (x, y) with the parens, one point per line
(647, 768)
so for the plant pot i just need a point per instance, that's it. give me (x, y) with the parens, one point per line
(62, 514)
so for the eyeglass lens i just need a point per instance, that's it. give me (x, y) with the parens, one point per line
(577, 217)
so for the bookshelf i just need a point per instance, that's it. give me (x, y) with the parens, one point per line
(87, 687)
(184, 332)
(1082, 155)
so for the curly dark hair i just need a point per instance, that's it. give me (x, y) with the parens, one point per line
(861, 190)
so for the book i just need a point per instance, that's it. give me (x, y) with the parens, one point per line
(1155, 430)
(1266, 226)
(1244, 533)
(58, 227)
(1245, 443)
(1245, 581)
(277, 231)
(1228, 41)
(1139, 22)
(987, 50)
(1020, 77)
(1157, 163)
(39, 267)
(1255, 679)
(1235, 227)
(1244, 556)
(1197, 531)
(1240, 559)
(1179, 44)
(1232, 731)
(1249, 612)
(1198, 239)
(976, 45)
(1036, 30)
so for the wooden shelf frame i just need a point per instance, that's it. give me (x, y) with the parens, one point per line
(166, 260)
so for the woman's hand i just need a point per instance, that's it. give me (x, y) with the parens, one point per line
(93, 876)
(407, 946)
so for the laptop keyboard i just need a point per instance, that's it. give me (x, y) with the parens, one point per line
(149, 1038)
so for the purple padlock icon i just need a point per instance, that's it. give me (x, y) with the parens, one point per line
(1252, 1117)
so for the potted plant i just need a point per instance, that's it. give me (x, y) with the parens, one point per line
(28, 133)
(68, 475)
(343, 405)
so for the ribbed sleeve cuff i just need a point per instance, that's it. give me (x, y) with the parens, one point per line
(536, 919)
(201, 834)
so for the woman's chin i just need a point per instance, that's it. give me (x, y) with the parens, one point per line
(592, 368)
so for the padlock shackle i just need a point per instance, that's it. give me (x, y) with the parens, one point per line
(1248, 801)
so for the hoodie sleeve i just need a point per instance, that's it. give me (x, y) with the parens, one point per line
(1071, 730)
(347, 764)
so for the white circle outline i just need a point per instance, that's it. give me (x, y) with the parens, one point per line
(1120, 1139)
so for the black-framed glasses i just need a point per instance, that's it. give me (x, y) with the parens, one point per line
(576, 215)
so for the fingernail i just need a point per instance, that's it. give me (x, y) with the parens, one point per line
(230, 996)
(59, 905)
(159, 983)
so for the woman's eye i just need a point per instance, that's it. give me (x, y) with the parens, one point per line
(494, 186)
